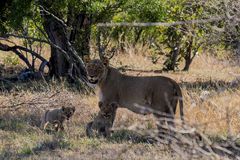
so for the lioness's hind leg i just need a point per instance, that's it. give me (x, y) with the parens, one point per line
(165, 124)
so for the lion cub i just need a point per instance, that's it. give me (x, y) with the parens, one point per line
(56, 117)
(103, 123)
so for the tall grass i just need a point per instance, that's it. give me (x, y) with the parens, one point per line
(211, 105)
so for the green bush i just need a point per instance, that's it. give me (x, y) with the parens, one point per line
(11, 60)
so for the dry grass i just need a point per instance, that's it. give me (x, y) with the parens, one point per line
(210, 104)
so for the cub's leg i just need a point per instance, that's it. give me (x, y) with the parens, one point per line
(89, 130)
(57, 126)
(61, 127)
(45, 125)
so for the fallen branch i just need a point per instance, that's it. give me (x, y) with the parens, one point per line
(7, 48)
(15, 49)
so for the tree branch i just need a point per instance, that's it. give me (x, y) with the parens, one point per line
(52, 43)
(165, 24)
(38, 40)
(31, 52)
(25, 37)
(69, 53)
(55, 17)
(15, 49)
(7, 48)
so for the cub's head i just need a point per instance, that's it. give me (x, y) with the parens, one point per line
(68, 111)
(108, 111)
(105, 118)
(96, 70)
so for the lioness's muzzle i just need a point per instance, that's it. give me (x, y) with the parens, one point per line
(92, 80)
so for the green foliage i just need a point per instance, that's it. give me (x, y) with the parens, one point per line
(13, 12)
(24, 17)
(128, 135)
(187, 38)
(26, 150)
(11, 60)
(139, 11)
(184, 39)
(143, 11)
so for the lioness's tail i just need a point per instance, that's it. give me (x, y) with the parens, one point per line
(180, 98)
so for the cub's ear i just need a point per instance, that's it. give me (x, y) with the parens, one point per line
(73, 108)
(86, 59)
(105, 61)
(63, 108)
(114, 105)
(100, 104)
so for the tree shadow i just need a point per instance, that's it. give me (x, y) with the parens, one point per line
(43, 85)
(234, 148)
(220, 147)
(217, 85)
(125, 135)
(20, 123)
(29, 124)
(50, 145)
(126, 68)
(40, 85)
(226, 144)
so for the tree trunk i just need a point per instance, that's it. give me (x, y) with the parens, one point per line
(137, 35)
(188, 62)
(171, 63)
(174, 57)
(57, 35)
(80, 35)
(65, 61)
(188, 56)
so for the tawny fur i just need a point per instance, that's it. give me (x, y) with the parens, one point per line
(103, 122)
(143, 95)
(56, 117)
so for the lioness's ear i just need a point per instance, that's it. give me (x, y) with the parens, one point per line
(114, 105)
(100, 104)
(105, 61)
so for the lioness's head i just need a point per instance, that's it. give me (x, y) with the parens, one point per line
(96, 70)
(68, 111)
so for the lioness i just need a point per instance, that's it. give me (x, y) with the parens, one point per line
(104, 121)
(56, 117)
(144, 95)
